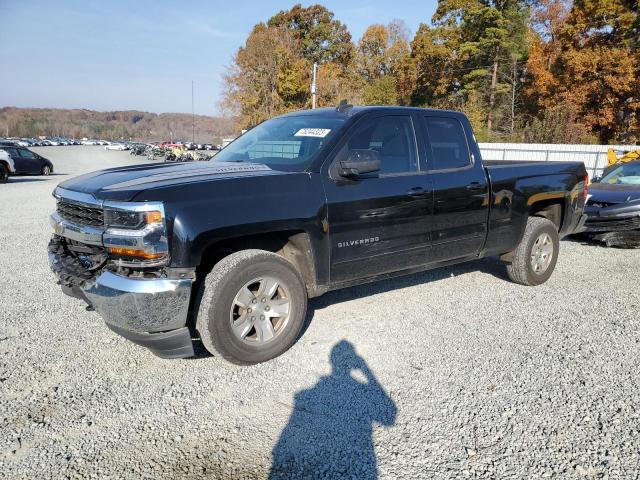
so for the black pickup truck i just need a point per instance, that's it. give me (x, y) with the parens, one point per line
(229, 250)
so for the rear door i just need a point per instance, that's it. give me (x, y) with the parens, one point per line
(378, 223)
(32, 163)
(461, 190)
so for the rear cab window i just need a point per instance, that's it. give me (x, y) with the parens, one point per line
(448, 142)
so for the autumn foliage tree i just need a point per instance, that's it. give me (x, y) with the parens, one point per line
(270, 74)
(585, 55)
(381, 56)
(522, 70)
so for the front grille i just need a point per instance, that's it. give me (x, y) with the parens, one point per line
(80, 214)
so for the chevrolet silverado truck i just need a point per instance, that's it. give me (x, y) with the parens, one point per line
(231, 249)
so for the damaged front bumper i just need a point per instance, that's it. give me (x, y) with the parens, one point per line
(151, 312)
(615, 225)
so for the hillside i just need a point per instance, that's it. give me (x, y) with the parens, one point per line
(125, 125)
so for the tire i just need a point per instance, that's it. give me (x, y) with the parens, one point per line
(528, 264)
(235, 283)
(46, 170)
(4, 174)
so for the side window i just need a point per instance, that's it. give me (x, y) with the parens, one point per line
(392, 136)
(13, 153)
(448, 143)
(27, 154)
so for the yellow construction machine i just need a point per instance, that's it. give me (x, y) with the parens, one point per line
(612, 158)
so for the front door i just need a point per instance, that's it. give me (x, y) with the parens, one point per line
(378, 223)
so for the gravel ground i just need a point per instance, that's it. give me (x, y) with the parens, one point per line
(454, 373)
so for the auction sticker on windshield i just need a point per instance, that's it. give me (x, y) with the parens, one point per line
(312, 132)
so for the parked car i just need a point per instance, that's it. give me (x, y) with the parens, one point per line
(28, 162)
(90, 141)
(138, 149)
(613, 206)
(304, 203)
(117, 146)
(7, 167)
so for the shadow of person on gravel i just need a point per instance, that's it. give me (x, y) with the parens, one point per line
(329, 434)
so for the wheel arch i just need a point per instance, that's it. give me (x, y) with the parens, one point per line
(295, 245)
(7, 166)
(551, 208)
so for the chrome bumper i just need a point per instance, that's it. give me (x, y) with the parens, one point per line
(149, 312)
(140, 305)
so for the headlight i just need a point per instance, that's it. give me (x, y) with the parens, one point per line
(128, 219)
(136, 234)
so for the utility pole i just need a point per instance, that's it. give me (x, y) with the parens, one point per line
(514, 81)
(314, 87)
(193, 117)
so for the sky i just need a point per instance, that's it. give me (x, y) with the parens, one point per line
(144, 54)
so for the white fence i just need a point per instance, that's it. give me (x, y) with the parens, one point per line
(593, 156)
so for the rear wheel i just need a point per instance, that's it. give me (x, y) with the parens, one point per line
(535, 257)
(252, 308)
(4, 174)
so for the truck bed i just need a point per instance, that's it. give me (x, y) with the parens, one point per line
(499, 170)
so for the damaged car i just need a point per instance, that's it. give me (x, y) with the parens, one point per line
(613, 206)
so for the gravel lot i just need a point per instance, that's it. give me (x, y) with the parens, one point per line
(454, 373)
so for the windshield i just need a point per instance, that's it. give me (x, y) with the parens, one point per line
(287, 143)
(625, 174)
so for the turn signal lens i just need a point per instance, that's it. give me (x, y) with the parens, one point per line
(132, 252)
(153, 216)
(585, 189)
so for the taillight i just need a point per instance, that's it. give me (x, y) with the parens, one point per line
(585, 188)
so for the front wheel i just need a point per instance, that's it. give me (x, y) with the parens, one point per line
(252, 308)
(534, 259)
(46, 170)
(4, 174)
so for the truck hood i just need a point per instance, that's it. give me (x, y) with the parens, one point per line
(613, 193)
(124, 183)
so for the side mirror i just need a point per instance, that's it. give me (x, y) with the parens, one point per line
(596, 179)
(359, 162)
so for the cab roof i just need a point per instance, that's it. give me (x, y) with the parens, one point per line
(355, 110)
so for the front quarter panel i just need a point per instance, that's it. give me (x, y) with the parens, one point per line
(202, 214)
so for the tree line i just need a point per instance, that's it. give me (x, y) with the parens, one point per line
(119, 125)
(550, 71)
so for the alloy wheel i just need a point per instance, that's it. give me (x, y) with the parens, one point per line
(541, 253)
(260, 311)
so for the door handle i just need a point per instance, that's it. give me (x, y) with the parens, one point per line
(416, 192)
(475, 186)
